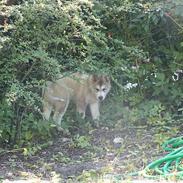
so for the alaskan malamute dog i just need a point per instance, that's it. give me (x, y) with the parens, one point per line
(83, 89)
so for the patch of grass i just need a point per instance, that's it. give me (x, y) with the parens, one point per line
(163, 134)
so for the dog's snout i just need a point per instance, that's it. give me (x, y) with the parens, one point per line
(100, 98)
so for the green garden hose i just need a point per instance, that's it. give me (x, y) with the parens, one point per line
(168, 167)
(171, 165)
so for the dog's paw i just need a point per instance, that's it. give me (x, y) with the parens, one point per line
(96, 124)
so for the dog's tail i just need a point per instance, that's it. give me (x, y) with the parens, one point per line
(45, 87)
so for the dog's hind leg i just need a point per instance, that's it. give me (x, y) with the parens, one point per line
(57, 118)
(60, 111)
(47, 109)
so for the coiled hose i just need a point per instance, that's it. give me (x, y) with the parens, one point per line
(170, 165)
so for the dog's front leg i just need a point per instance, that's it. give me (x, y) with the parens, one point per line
(81, 108)
(94, 108)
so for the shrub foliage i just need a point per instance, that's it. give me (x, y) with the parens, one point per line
(138, 42)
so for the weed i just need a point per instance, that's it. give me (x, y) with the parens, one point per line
(61, 158)
(82, 141)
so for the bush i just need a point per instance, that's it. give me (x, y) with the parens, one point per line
(138, 43)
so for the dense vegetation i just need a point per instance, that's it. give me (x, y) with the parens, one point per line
(134, 41)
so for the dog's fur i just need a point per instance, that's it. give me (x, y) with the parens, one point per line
(83, 89)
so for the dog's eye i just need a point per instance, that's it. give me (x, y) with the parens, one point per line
(97, 89)
(104, 89)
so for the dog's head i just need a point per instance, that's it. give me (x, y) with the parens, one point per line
(100, 86)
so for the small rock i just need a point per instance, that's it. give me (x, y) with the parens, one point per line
(110, 156)
(118, 140)
(9, 175)
(64, 139)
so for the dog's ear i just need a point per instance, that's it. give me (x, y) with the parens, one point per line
(94, 78)
(107, 78)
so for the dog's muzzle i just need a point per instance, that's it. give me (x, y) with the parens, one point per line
(101, 98)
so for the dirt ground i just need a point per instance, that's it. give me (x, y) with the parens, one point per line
(108, 154)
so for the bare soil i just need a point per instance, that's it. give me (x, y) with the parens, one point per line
(65, 161)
